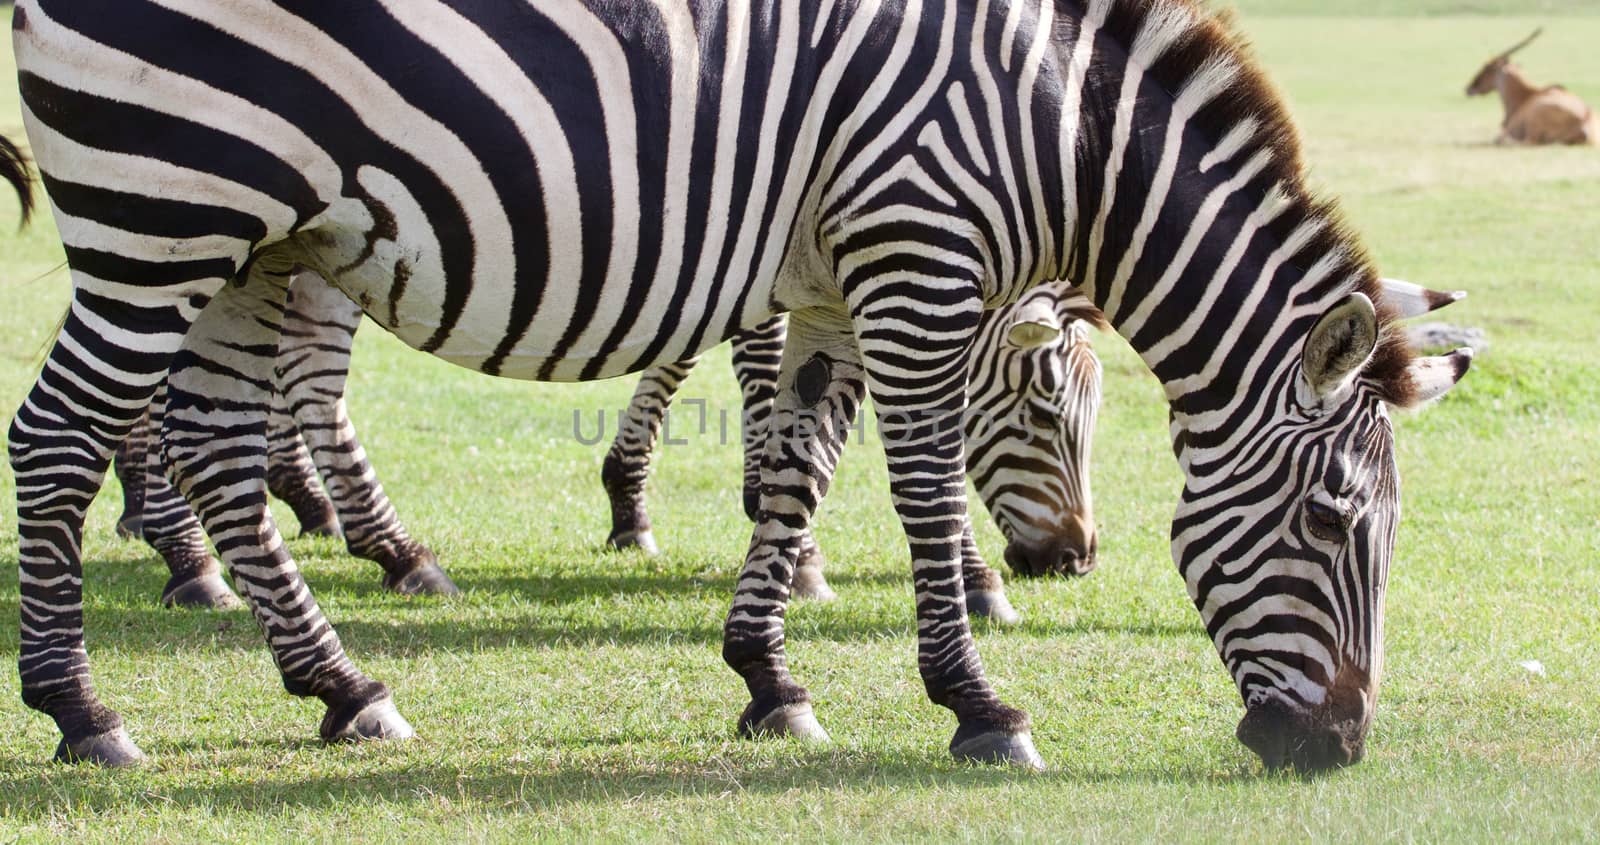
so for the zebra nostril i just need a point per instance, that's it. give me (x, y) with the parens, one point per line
(1056, 558)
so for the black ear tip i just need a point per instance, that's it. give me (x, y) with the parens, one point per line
(1463, 360)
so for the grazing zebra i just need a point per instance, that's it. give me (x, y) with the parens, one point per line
(313, 361)
(1033, 394)
(575, 189)
(1027, 439)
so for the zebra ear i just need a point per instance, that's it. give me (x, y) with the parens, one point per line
(1034, 323)
(1339, 345)
(1433, 377)
(1415, 300)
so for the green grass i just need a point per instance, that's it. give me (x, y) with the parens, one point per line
(575, 694)
(1416, 8)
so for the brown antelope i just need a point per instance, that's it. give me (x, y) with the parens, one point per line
(1535, 115)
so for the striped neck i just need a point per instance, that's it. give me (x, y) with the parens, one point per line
(1189, 224)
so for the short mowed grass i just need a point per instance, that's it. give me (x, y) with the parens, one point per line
(572, 693)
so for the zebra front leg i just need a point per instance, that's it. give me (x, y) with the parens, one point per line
(215, 447)
(313, 365)
(820, 389)
(292, 475)
(984, 587)
(627, 464)
(757, 354)
(916, 358)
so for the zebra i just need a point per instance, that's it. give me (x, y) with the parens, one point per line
(1033, 396)
(1028, 438)
(575, 189)
(307, 404)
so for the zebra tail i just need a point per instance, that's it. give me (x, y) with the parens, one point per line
(14, 168)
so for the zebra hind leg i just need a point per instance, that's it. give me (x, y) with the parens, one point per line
(757, 356)
(93, 387)
(627, 464)
(292, 476)
(808, 582)
(215, 446)
(985, 588)
(313, 367)
(170, 527)
(820, 393)
(129, 464)
(154, 512)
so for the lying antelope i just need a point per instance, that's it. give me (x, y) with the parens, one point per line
(1534, 114)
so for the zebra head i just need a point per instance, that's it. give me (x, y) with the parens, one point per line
(1286, 526)
(1033, 395)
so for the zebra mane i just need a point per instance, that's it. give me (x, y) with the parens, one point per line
(1211, 38)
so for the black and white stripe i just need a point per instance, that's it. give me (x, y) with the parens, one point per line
(315, 463)
(569, 189)
(1028, 426)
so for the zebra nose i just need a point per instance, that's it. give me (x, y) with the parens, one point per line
(1284, 737)
(1067, 553)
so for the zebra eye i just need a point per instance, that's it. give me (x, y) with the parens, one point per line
(1327, 521)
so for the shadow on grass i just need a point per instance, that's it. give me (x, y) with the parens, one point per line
(31, 790)
(556, 611)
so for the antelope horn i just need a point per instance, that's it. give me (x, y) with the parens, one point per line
(1523, 43)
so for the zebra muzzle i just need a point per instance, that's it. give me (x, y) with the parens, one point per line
(1057, 557)
(1283, 737)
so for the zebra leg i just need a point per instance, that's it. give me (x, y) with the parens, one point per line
(170, 527)
(313, 365)
(627, 465)
(94, 385)
(292, 476)
(757, 358)
(820, 389)
(917, 379)
(215, 446)
(757, 354)
(984, 587)
(129, 466)
(808, 581)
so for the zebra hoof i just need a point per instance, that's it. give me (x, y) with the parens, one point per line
(998, 747)
(808, 583)
(644, 541)
(992, 605)
(113, 749)
(376, 720)
(330, 530)
(206, 591)
(796, 720)
(428, 579)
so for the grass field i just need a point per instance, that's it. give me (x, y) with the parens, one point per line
(576, 694)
